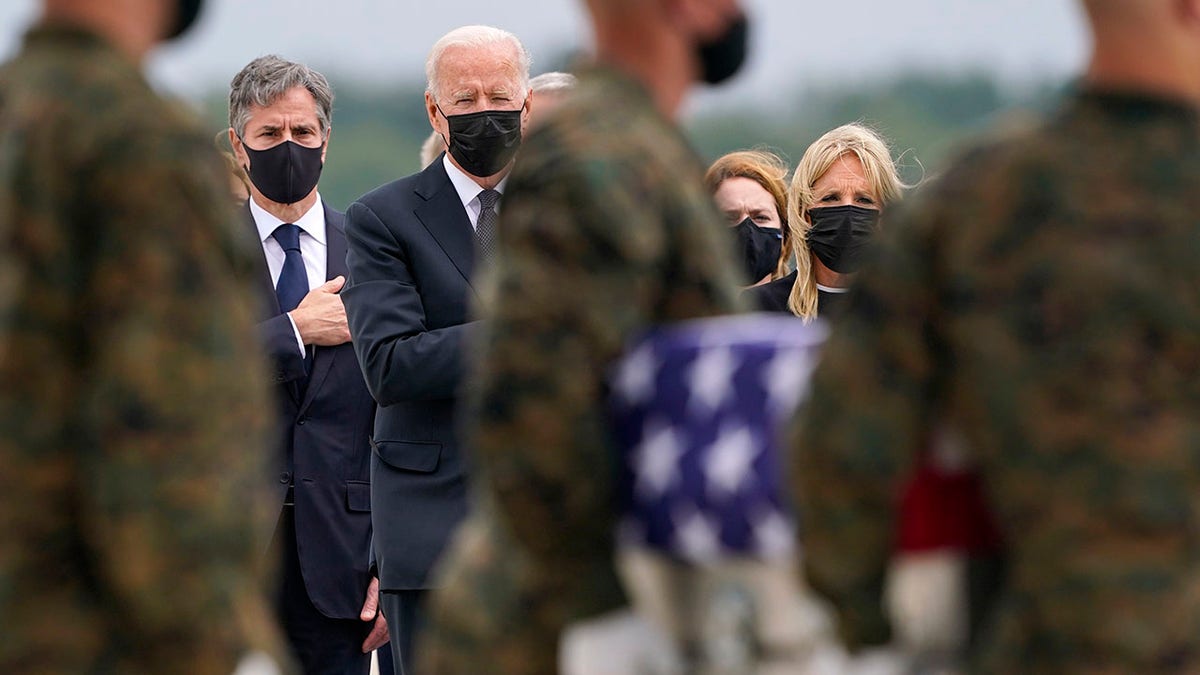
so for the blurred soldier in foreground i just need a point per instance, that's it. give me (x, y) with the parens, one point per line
(133, 405)
(1042, 300)
(606, 230)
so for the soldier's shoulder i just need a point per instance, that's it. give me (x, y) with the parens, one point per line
(75, 106)
(76, 74)
(608, 120)
(1015, 139)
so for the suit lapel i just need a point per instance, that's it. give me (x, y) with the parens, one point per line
(335, 265)
(443, 215)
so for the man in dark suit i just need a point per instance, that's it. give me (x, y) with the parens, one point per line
(279, 116)
(416, 247)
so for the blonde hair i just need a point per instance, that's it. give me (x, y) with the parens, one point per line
(880, 171)
(221, 141)
(431, 148)
(768, 170)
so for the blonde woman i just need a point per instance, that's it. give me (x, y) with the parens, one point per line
(837, 196)
(749, 188)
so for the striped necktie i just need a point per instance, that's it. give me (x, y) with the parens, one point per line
(485, 230)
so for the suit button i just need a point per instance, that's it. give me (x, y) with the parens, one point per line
(285, 478)
(302, 421)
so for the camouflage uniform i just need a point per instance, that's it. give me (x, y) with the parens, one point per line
(132, 408)
(605, 230)
(1043, 300)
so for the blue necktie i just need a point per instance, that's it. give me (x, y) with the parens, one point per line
(293, 279)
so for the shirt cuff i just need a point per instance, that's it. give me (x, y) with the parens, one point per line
(299, 340)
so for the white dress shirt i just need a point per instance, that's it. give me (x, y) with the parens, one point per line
(312, 247)
(468, 190)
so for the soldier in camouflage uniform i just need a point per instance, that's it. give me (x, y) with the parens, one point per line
(1043, 299)
(131, 401)
(606, 229)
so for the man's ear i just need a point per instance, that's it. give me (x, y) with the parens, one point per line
(701, 20)
(1189, 12)
(239, 150)
(527, 110)
(325, 146)
(431, 109)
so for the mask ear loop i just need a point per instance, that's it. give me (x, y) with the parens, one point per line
(245, 167)
(445, 141)
(525, 109)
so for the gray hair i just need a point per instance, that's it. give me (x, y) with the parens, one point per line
(267, 78)
(553, 83)
(475, 36)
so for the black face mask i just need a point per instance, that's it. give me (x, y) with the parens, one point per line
(758, 248)
(839, 234)
(723, 56)
(285, 173)
(186, 13)
(486, 141)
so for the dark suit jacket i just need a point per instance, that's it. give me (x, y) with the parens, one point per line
(773, 297)
(324, 448)
(411, 257)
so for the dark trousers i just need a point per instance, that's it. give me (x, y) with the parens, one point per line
(321, 645)
(403, 610)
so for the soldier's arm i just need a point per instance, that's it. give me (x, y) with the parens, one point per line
(174, 406)
(570, 285)
(402, 359)
(867, 414)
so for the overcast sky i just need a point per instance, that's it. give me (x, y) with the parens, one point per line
(795, 42)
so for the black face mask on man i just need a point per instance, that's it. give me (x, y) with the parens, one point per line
(285, 173)
(186, 13)
(723, 56)
(484, 142)
(840, 234)
(758, 248)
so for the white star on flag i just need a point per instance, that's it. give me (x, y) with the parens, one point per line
(787, 379)
(774, 534)
(635, 376)
(711, 378)
(730, 458)
(656, 459)
(696, 539)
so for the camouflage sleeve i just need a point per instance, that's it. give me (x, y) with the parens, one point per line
(574, 280)
(173, 408)
(866, 417)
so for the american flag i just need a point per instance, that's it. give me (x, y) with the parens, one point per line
(697, 411)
